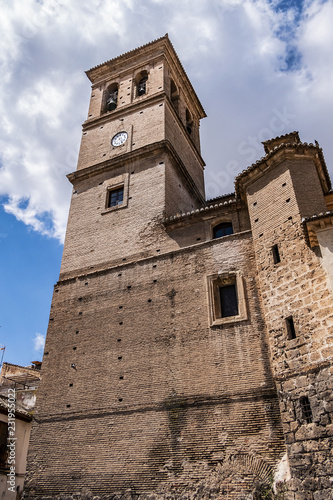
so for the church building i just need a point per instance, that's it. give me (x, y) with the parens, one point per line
(190, 342)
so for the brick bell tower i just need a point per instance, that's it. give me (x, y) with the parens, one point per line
(142, 129)
(145, 384)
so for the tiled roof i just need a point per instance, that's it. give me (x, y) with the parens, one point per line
(184, 216)
(322, 215)
(220, 197)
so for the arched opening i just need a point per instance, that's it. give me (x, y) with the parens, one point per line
(174, 95)
(222, 229)
(189, 122)
(141, 83)
(111, 97)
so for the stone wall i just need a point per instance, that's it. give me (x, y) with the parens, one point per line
(295, 288)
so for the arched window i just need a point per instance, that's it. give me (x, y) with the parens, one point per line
(111, 97)
(189, 121)
(141, 83)
(222, 229)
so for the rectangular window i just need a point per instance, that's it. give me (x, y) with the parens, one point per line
(228, 300)
(115, 197)
(276, 254)
(291, 332)
(306, 409)
(226, 296)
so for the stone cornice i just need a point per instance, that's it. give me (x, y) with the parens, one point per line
(137, 154)
(124, 110)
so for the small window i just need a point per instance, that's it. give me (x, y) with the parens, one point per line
(276, 254)
(228, 300)
(222, 229)
(291, 332)
(306, 409)
(115, 197)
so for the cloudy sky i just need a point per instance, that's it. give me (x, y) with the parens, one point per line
(261, 68)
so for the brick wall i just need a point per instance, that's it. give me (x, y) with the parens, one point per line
(191, 394)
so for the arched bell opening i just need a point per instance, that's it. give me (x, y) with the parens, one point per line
(174, 95)
(141, 80)
(189, 122)
(111, 97)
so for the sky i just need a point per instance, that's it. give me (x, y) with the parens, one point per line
(261, 68)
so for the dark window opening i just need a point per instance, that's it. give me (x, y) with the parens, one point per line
(112, 97)
(174, 95)
(276, 254)
(290, 328)
(116, 197)
(189, 122)
(222, 229)
(3, 444)
(228, 301)
(306, 409)
(142, 86)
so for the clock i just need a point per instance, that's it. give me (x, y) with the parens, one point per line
(119, 139)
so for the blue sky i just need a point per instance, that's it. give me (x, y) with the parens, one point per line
(261, 68)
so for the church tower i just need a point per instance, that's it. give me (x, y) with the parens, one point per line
(140, 151)
(156, 375)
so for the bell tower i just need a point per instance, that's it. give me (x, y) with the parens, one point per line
(140, 151)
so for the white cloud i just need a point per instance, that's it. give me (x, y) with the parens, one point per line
(234, 51)
(39, 342)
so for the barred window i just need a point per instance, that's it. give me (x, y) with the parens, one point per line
(306, 409)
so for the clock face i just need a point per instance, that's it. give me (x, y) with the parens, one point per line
(119, 139)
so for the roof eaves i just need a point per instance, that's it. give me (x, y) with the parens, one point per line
(269, 155)
(188, 215)
(125, 54)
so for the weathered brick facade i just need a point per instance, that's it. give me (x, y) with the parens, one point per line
(149, 388)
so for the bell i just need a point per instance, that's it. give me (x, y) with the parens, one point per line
(142, 86)
(111, 103)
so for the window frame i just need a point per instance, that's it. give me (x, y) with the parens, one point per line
(119, 189)
(112, 185)
(214, 283)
